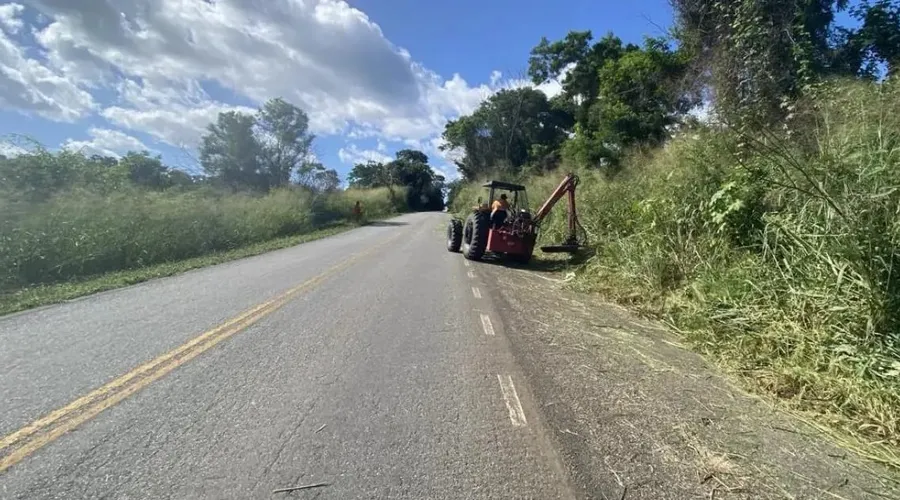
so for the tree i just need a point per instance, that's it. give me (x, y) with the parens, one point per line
(412, 156)
(180, 179)
(581, 85)
(145, 170)
(315, 176)
(503, 132)
(231, 153)
(638, 97)
(284, 140)
(409, 169)
(618, 95)
(757, 55)
(453, 189)
(366, 175)
(878, 39)
(327, 180)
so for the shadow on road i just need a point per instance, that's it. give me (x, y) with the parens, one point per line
(385, 223)
(540, 264)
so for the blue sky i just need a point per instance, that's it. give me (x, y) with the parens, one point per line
(375, 76)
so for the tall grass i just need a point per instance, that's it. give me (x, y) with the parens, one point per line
(776, 254)
(82, 233)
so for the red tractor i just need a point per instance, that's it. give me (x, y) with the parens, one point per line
(515, 236)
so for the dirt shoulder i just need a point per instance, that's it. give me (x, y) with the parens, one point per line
(637, 416)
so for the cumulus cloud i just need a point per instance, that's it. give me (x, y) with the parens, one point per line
(106, 142)
(168, 67)
(323, 55)
(27, 85)
(10, 17)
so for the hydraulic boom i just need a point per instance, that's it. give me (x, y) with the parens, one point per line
(566, 187)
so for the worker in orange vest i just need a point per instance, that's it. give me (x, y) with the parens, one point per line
(499, 211)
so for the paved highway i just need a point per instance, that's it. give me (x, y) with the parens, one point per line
(364, 361)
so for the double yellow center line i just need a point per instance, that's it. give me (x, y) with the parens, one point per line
(25, 441)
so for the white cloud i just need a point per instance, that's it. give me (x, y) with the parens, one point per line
(352, 155)
(27, 85)
(154, 65)
(106, 142)
(10, 14)
(324, 55)
(177, 125)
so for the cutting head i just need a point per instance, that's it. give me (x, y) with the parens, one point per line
(564, 248)
(571, 245)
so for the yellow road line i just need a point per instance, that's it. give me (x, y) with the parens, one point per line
(25, 441)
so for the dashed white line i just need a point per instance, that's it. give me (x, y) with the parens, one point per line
(476, 292)
(487, 325)
(466, 263)
(511, 398)
(471, 274)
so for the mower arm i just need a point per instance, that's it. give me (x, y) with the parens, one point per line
(566, 187)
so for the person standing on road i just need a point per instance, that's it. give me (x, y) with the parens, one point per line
(498, 211)
(357, 211)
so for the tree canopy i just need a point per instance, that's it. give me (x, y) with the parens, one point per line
(510, 129)
(409, 169)
(756, 55)
(748, 59)
(614, 95)
(265, 150)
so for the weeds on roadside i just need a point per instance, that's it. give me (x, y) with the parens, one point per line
(778, 255)
(82, 233)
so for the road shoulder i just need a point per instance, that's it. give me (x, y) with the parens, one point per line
(635, 415)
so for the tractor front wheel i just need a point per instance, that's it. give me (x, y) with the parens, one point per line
(454, 235)
(475, 235)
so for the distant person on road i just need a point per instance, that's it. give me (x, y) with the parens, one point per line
(357, 212)
(498, 211)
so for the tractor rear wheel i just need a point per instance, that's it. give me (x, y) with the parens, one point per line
(454, 235)
(475, 235)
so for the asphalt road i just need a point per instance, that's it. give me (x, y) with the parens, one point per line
(364, 361)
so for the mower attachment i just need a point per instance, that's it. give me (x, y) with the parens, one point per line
(571, 245)
(560, 248)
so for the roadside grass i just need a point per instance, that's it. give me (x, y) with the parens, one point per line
(773, 256)
(81, 242)
(42, 295)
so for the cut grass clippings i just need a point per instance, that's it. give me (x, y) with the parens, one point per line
(42, 295)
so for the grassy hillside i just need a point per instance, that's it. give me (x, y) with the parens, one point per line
(772, 254)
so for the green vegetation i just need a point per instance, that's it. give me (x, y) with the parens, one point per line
(767, 233)
(67, 220)
(424, 189)
(39, 295)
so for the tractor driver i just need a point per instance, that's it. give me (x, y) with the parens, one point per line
(498, 211)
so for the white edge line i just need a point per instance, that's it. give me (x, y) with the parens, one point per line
(511, 398)
(476, 292)
(487, 325)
